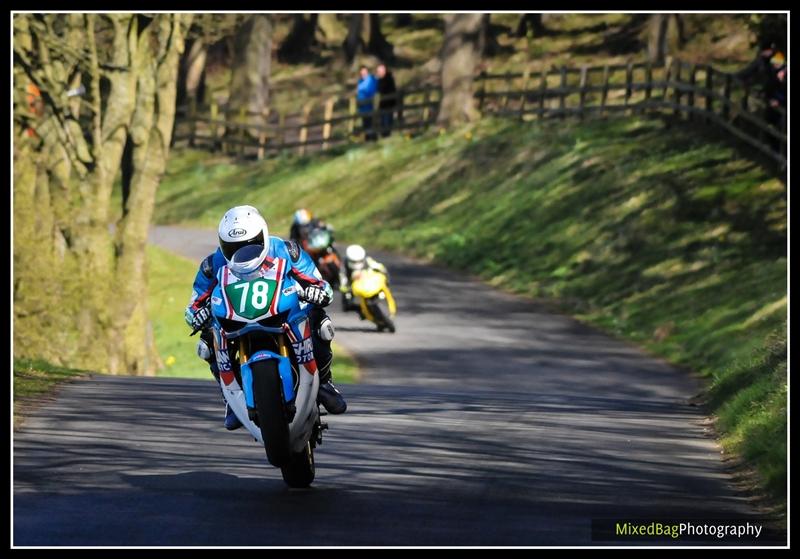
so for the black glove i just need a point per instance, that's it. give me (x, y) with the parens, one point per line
(315, 295)
(201, 318)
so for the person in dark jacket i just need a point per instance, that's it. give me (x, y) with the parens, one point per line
(388, 102)
(769, 67)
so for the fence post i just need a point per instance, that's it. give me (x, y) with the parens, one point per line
(352, 122)
(677, 91)
(242, 130)
(583, 91)
(726, 109)
(301, 149)
(709, 91)
(628, 82)
(525, 77)
(504, 102)
(481, 89)
(542, 91)
(281, 132)
(669, 65)
(213, 123)
(562, 100)
(604, 93)
(746, 99)
(400, 106)
(690, 96)
(425, 100)
(648, 81)
(192, 119)
(376, 115)
(262, 134)
(326, 128)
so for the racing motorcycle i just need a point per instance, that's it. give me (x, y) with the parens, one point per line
(273, 384)
(376, 302)
(319, 245)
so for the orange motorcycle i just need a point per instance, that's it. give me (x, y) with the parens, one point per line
(319, 245)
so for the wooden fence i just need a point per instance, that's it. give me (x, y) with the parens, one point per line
(692, 92)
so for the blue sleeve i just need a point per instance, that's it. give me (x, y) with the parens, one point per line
(207, 274)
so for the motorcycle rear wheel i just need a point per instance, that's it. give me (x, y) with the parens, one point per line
(300, 471)
(271, 412)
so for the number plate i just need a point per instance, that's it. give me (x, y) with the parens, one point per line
(251, 299)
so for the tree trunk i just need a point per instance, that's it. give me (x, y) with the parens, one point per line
(460, 55)
(666, 33)
(488, 45)
(534, 21)
(74, 315)
(353, 43)
(250, 74)
(657, 38)
(193, 71)
(301, 40)
(150, 132)
(377, 44)
(403, 20)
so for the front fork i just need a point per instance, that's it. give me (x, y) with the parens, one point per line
(244, 353)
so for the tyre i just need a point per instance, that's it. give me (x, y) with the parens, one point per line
(299, 472)
(380, 309)
(271, 412)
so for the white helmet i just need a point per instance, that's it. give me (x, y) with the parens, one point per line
(241, 227)
(356, 257)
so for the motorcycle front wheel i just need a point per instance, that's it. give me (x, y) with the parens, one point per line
(271, 412)
(300, 471)
(380, 310)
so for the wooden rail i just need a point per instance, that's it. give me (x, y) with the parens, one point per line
(698, 93)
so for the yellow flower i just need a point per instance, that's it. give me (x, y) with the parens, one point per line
(170, 361)
(468, 135)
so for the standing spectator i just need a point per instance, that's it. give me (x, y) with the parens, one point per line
(365, 92)
(769, 66)
(388, 102)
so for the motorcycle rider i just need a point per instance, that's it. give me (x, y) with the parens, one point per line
(355, 260)
(242, 226)
(303, 223)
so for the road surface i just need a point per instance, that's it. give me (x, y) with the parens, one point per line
(485, 420)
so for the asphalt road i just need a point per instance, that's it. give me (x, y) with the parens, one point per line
(485, 420)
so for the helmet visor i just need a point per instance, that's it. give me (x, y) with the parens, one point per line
(247, 261)
(229, 248)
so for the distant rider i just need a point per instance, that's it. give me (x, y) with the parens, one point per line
(242, 226)
(303, 223)
(356, 260)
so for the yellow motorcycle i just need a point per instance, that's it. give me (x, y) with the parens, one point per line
(376, 302)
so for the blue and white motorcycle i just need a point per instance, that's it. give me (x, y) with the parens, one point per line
(273, 384)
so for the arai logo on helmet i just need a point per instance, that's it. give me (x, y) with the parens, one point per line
(237, 233)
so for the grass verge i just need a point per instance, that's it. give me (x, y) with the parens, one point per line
(170, 278)
(36, 380)
(652, 230)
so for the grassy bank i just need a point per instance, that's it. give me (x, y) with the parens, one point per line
(170, 284)
(651, 231)
(34, 381)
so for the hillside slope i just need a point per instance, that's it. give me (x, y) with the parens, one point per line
(648, 230)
